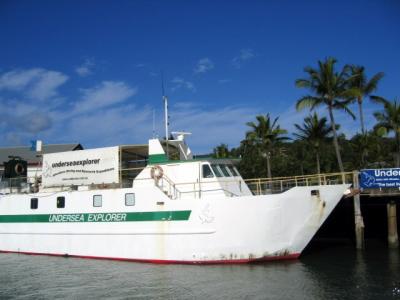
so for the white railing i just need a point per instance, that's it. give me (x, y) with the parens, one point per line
(258, 186)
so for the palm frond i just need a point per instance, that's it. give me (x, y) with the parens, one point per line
(373, 83)
(308, 102)
(303, 83)
(379, 100)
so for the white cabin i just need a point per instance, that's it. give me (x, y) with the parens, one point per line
(178, 176)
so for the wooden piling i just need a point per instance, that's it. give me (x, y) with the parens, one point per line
(393, 238)
(358, 219)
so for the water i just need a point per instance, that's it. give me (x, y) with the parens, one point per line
(334, 272)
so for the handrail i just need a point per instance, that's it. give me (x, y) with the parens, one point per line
(171, 184)
(279, 184)
(302, 176)
(256, 185)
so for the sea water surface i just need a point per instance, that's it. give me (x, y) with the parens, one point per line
(329, 272)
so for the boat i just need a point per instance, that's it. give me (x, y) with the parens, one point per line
(154, 203)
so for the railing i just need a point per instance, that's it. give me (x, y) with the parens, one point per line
(177, 190)
(259, 186)
(262, 186)
(17, 185)
(169, 187)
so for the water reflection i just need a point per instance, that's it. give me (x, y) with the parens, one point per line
(334, 273)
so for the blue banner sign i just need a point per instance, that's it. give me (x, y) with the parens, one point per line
(380, 178)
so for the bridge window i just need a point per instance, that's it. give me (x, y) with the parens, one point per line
(130, 199)
(34, 203)
(97, 200)
(233, 170)
(207, 173)
(216, 170)
(60, 202)
(225, 170)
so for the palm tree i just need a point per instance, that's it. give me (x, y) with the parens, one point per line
(389, 120)
(360, 82)
(221, 151)
(330, 89)
(314, 131)
(266, 133)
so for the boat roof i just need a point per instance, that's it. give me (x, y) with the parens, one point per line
(32, 157)
(133, 152)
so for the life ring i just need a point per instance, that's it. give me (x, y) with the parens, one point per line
(19, 169)
(156, 172)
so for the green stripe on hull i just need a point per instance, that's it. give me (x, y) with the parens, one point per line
(182, 215)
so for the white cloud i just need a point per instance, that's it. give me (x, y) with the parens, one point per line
(86, 68)
(46, 86)
(291, 116)
(38, 84)
(100, 116)
(18, 79)
(106, 94)
(210, 127)
(244, 55)
(112, 126)
(204, 65)
(182, 83)
(28, 118)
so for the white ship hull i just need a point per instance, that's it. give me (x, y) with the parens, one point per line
(160, 229)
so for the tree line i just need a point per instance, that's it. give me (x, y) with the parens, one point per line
(318, 146)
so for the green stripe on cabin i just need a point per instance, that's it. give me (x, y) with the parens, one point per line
(182, 215)
(157, 158)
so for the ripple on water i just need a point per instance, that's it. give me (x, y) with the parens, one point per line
(332, 273)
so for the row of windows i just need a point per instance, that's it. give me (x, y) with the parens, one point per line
(97, 201)
(219, 170)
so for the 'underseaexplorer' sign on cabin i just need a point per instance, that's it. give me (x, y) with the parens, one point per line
(82, 167)
(380, 178)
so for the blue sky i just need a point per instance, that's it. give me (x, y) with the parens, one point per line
(89, 71)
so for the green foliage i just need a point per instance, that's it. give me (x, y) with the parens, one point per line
(295, 158)
(389, 121)
(264, 136)
(359, 81)
(221, 151)
(267, 150)
(331, 89)
(314, 131)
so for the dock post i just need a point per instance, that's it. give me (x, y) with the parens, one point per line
(393, 238)
(359, 222)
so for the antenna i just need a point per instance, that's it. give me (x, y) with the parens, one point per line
(154, 123)
(166, 118)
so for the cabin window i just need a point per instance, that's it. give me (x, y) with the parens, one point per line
(130, 199)
(34, 203)
(207, 173)
(97, 200)
(225, 170)
(216, 170)
(233, 170)
(60, 202)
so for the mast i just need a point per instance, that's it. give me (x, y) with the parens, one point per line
(166, 119)
(154, 123)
